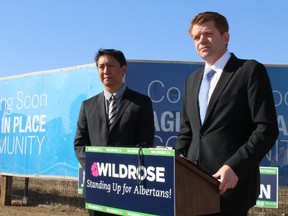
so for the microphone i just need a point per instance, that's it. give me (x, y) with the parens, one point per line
(142, 144)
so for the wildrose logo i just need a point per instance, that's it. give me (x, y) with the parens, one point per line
(149, 173)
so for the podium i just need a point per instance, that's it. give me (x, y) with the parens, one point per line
(196, 192)
(147, 181)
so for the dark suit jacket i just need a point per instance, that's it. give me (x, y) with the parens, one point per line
(239, 129)
(134, 123)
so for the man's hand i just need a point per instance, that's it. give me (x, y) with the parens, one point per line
(227, 178)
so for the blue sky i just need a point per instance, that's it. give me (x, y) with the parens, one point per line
(44, 35)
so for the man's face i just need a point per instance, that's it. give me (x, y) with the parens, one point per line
(110, 73)
(209, 43)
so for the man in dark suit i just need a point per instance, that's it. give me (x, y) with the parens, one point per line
(240, 124)
(131, 120)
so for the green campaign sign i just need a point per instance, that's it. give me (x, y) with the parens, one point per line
(268, 197)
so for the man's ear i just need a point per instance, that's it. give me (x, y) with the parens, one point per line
(123, 69)
(226, 37)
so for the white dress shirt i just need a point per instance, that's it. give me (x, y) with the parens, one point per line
(218, 66)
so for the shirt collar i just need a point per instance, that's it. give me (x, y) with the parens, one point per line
(219, 65)
(117, 94)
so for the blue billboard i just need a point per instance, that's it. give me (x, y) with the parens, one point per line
(39, 112)
(38, 120)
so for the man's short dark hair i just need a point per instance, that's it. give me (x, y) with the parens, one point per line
(117, 54)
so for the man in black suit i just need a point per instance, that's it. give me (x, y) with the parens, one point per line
(132, 121)
(240, 124)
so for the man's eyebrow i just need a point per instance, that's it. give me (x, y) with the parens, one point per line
(205, 31)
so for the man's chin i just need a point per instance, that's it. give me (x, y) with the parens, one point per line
(107, 82)
(205, 56)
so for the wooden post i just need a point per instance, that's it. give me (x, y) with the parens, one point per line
(6, 190)
(25, 198)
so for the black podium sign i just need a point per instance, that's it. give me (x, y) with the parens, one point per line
(130, 181)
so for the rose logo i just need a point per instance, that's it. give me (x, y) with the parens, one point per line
(94, 169)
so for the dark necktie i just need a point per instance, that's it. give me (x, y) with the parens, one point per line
(203, 93)
(112, 111)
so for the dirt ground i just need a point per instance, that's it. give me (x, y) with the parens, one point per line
(45, 197)
(59, 197)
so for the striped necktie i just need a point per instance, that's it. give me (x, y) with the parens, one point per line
(112, 111)
(203, 93)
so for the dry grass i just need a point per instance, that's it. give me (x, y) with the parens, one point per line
(60, 197)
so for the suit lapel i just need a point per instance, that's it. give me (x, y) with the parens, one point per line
(195, 92)
(226, 76)
(100, 101)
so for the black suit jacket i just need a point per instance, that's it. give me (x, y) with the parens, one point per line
(134, 123)
(239, 129)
